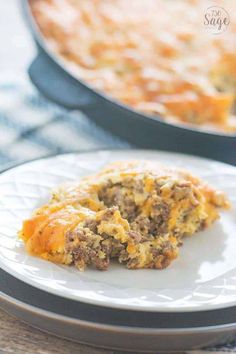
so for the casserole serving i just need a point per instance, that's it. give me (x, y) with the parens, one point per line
(136, 211)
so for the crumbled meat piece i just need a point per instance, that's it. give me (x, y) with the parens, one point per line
(91, 224)
(135, 236)
(141, 224)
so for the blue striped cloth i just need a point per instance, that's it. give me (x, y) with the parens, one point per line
(32, 127)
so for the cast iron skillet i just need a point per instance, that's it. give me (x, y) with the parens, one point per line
(53, 80)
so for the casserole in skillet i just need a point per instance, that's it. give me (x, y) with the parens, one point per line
(58, 80)
(154, 55)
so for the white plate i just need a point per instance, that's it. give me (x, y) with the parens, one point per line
(202, 278)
